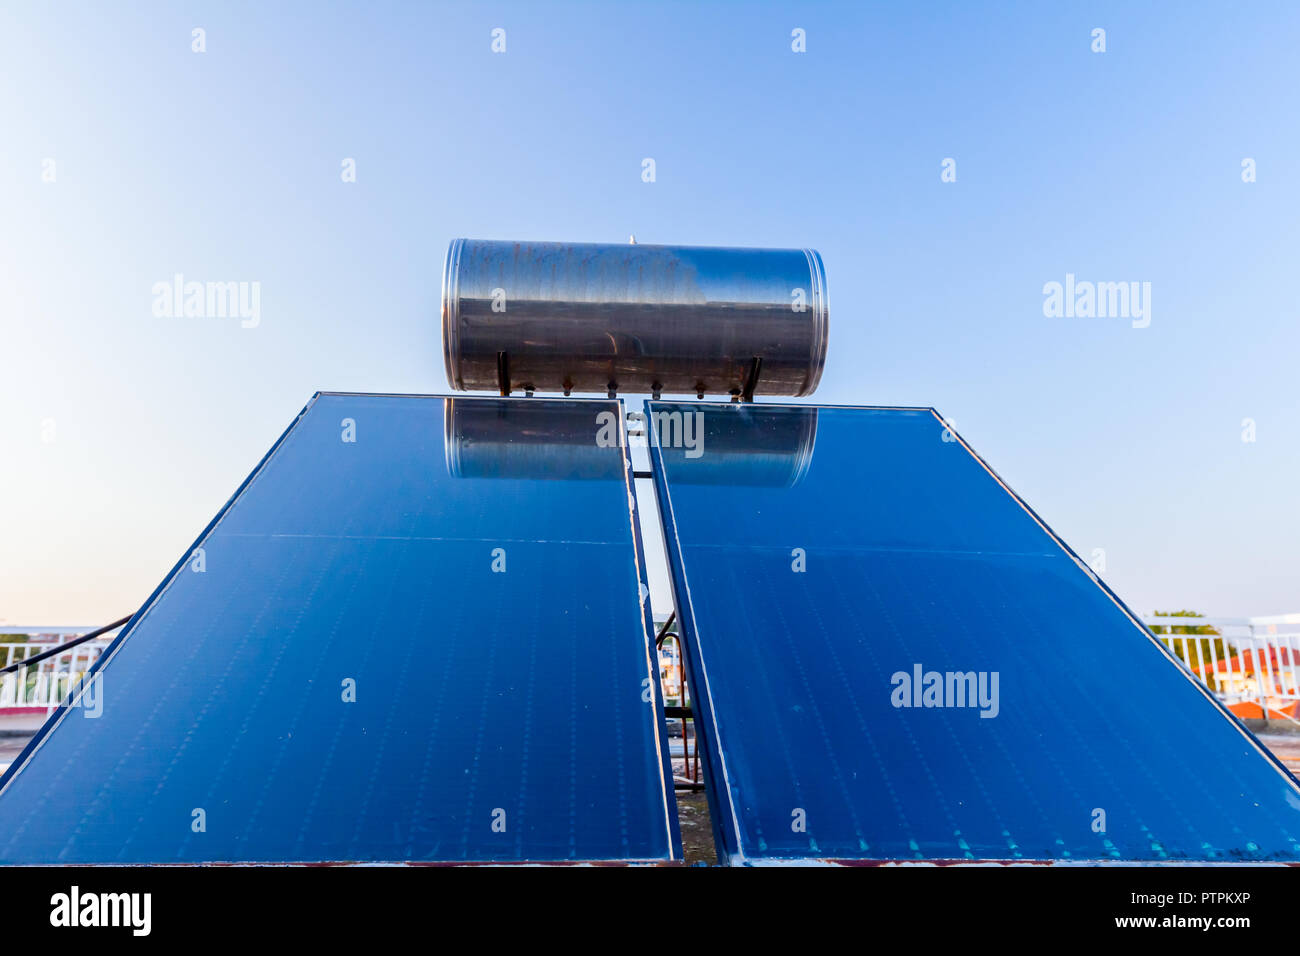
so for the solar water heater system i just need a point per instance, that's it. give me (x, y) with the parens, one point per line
(420, 631)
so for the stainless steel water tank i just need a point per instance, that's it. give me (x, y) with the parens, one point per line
(591, 317)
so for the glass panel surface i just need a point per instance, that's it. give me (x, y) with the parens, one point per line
(894, 659)
(416, 634)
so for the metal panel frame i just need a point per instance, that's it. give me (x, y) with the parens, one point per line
(726, 826)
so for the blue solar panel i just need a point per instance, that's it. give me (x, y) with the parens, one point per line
(417, 633)
(892, 658)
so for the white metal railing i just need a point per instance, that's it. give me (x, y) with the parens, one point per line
(1246, 660)
(46, 683)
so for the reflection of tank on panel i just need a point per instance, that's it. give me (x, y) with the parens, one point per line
(731, 445)
(526, 439)
(523, 439)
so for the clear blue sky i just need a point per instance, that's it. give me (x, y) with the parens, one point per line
(225, 165)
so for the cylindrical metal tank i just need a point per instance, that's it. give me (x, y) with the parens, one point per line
(591, 317)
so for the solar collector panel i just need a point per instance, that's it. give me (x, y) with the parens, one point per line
(809, 605)
(491, 627)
